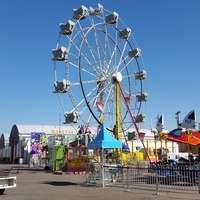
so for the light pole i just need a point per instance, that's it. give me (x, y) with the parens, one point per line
(177, 115)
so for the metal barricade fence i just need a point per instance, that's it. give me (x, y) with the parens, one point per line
(180, 178)
(104, 175)
(94, 174)
(157, 177)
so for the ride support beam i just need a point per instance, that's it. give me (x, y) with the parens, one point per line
(133, 120)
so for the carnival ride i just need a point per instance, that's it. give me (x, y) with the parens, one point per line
(99, 69)
(185, 133)
(187, 137)
(193, 137)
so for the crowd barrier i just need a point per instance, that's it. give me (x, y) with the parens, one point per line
(156, 177)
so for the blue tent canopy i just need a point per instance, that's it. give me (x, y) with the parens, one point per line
(104, 140)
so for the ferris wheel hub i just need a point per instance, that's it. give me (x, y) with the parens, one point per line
(117, 77)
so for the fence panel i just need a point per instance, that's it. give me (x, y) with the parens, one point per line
(157, 177)
(162, 177)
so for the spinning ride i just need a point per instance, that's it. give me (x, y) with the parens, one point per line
(99, 72)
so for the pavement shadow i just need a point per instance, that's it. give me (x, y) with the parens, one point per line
(59, 183)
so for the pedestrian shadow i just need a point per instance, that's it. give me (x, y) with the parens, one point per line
(59, 183)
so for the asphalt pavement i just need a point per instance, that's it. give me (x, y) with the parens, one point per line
(38, 184)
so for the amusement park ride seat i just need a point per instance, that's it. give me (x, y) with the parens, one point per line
(140, 75)
(80, 13)
(71, 117)
(142, 97)
(94, 12)
(112, 18)
(61, 86)
(131, 135)
(60, 54)
(67, 28)
(140, 118)
(134, 53)
(124, 34)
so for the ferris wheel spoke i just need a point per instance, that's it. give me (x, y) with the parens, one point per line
(97, 41)
(105, 52)
(89, 64)
(112, 55)
(78, 49)
(92, 52)
(126, 65)
(116, 44)
(106, 46)
(122, 58)
(82, 105)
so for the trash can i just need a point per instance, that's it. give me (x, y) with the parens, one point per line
(21, 160)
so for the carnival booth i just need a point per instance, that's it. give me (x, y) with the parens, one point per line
(55, 152)
(76, 155)
(102, 170)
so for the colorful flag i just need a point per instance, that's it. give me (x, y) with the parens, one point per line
(190, 120)
(160, 124)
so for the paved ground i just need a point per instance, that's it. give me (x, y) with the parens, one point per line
(37, 184)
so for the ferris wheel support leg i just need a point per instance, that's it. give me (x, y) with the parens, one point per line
(118, 112)
(133, 120)
(118, 116)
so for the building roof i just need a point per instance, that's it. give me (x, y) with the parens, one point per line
(26, 130)
(48, 129)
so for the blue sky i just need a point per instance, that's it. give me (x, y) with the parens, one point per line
(168, 33)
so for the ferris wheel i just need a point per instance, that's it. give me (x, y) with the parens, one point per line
(99, 72)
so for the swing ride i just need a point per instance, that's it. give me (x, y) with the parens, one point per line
(99, 74)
